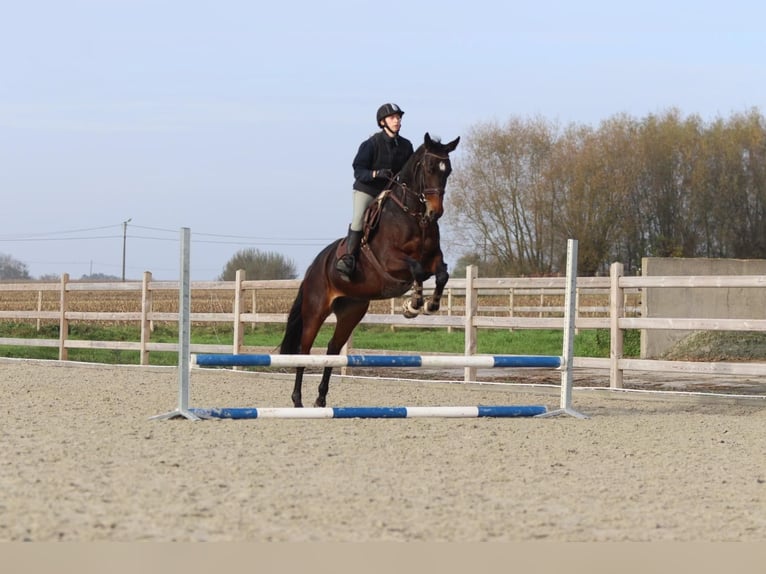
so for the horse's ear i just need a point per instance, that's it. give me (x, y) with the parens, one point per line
(427, 139)
(450, 147)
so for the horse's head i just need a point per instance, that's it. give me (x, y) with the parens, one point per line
(431, 170)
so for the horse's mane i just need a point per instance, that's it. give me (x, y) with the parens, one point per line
(409, 167)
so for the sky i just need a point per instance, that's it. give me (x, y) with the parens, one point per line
(122, 121)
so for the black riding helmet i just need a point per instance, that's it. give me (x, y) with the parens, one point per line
(388, 110)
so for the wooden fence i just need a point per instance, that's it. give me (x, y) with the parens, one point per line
(470, 304)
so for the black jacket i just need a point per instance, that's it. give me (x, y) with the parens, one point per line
(379, 152)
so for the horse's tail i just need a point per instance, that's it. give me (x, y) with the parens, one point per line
(291, 342)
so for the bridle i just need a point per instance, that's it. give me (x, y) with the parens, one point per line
(421, 197)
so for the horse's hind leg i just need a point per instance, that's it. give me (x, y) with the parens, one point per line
(441, 281)
(348, 314)
(324, 386)
(310, 329)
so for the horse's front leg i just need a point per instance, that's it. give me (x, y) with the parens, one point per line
(441, 281)
(348, 313)
(414, 305)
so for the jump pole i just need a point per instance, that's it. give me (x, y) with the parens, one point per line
(185, 362)
(372, 412)
(184, 333)
(570, 313)
(336, 361)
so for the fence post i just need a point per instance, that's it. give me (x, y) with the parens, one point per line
(63, 321)
(449, 307)
(510, 305)
(471, 305)
(146, 307)
(616, 312)
(39, 308)
(238, 292)
(577, 309)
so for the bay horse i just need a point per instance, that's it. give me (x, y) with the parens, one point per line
(400, 249)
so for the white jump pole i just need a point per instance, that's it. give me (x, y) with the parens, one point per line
(569, 329)
(184, 333)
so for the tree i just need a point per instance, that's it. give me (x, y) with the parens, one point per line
(500, 203)
(11, 268)
(667, 185)
(258, 265)
(670, 146)
(593, 172)
(734, 183)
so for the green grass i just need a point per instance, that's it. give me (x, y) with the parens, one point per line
(587, 343)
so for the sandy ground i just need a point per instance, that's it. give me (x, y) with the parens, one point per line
(82, 461)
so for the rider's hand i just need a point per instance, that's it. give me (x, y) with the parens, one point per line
(384, 174)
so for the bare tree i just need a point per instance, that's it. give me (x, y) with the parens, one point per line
(500, 203)
(733, 179)
(669, 147)
(593, 173)
(665, 185)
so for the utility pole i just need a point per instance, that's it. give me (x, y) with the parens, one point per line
(124, 243)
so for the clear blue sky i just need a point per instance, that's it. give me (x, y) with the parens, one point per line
(239, 119)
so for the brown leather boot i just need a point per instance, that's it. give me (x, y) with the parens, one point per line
(347, 262)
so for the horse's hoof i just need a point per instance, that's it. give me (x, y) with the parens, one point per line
(320, 403)
(430, 309)
(409, 311)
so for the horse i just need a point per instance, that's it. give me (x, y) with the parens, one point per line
(400, 249)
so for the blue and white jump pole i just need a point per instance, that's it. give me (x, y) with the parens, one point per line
(372, 412)
(433, 361)
(186, 361)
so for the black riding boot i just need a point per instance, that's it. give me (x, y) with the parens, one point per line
(347, 262)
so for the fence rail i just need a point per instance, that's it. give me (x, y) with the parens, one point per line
(611, 303)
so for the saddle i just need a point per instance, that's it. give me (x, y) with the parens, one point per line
(371, 222)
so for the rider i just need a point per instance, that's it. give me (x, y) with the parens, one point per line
(379, 159)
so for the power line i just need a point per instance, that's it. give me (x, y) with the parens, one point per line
(37, 239)
(159, 235)
(234, 239)
(289, 242)
(256, 238)
(33, 235)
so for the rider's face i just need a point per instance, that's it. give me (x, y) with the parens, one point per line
(393, 123)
